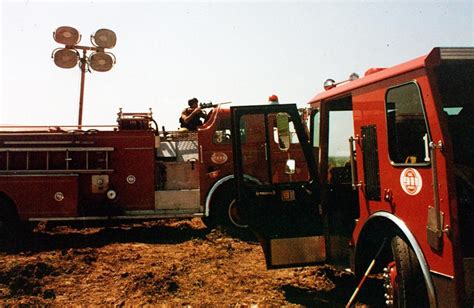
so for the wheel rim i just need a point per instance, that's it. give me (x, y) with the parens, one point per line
(390, 283)
(234, 217)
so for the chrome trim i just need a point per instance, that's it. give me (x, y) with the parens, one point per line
(355, 182)
(52, 172)
(441, 274)
(38, 142)
(201, 158)
(418, 252)
(78, 149)
(217, 184)
(265, 193)
(456, 53)
(139, 148)
(435, 228)
(38, 175)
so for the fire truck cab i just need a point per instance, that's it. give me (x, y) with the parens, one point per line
(390, 160)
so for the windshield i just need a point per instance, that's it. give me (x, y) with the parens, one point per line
(456, 84)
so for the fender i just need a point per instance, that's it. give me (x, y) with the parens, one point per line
(217, 184)
(416, 248)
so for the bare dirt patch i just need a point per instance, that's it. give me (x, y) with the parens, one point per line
(163, 262)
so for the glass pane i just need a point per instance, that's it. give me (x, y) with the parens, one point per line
(279, 158)
(340, 129)
(316, 121)
(254, 158)
(406, 126)
(222, 133)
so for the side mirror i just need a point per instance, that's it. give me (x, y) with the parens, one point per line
(290, 167)
(283, 127)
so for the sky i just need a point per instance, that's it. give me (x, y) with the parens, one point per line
(240, 51)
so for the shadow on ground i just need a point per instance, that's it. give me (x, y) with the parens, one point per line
(80, 235)
(370, 295)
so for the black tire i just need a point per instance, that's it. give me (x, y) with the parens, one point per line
(223, 211)
(209, 221)
(410, 288)
(10, 231)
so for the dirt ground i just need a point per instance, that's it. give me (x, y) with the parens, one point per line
(165, 263)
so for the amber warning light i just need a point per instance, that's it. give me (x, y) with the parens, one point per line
(69, 56)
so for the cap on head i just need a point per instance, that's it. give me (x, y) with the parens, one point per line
(273, 98)
(192, 101)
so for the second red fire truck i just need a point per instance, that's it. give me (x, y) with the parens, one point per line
(390, 186)
(130, 171)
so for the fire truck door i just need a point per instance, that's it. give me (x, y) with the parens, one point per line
(282, 209)
(340, 202)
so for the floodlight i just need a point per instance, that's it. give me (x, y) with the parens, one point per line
(104, 38)
(69, 56)
(67, 35)
(101, 61)
(66, 58)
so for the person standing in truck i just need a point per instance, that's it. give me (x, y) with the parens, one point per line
(191, 117)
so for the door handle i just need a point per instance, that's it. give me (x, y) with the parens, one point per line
(355, 183)
(265, 193)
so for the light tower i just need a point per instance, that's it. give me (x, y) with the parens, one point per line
(69, 56)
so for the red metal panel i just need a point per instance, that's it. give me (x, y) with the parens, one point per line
(42, 196)
(369, 108)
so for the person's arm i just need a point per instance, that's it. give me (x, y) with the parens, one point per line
(187, 118)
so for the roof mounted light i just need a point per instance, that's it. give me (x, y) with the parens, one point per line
(353, 76)
(104, 38)
(329, 84)
(67, 35)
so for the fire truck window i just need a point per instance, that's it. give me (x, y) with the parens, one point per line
(315, 130)
(406, 125)
(279, 158)
(222, 133)
(340, 129)
(254, 158)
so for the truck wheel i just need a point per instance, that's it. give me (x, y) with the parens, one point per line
(9, 226)
(403, 278)
(234, 217)
(224, 211)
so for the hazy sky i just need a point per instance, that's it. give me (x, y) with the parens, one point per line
(239, 51)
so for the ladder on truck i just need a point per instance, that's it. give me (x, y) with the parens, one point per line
(54, 159)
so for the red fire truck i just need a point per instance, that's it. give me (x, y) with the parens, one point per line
(390, 186)
(129, 171)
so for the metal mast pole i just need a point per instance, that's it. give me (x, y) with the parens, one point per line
(83, 78)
